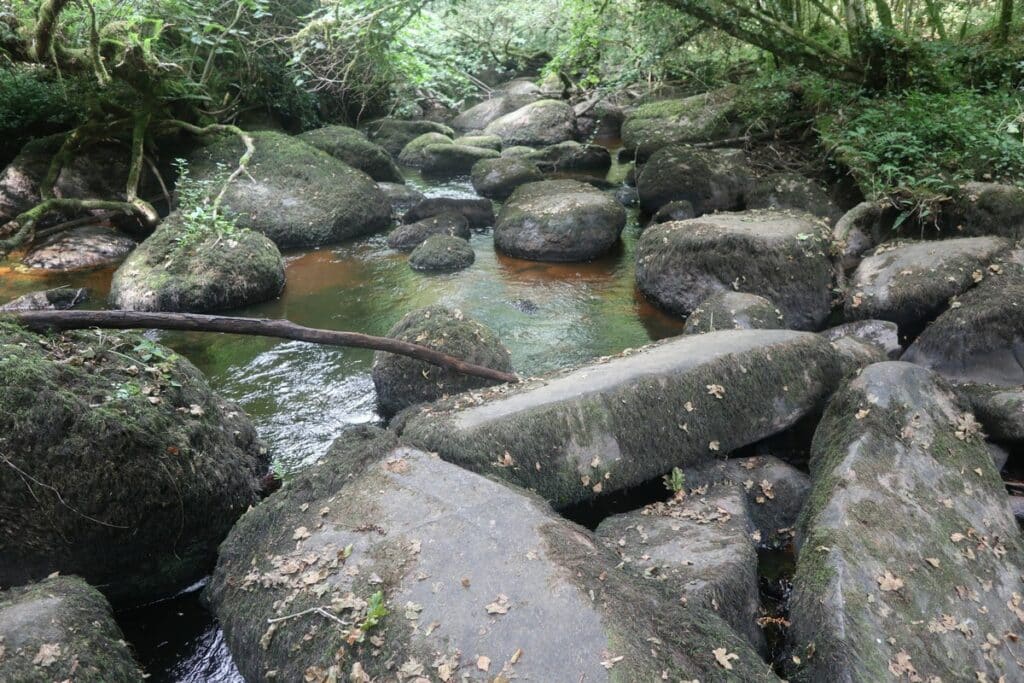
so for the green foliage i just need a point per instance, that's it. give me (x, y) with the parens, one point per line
(675, 481)
(195, 196)
(919, 145)
(33, 104)
(375, 611)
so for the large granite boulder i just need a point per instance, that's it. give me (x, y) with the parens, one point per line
(910, 562)
(572, 156)
(180, 268)
(504, 100)
(385, 562)
(710, 179)
(353, 147)
(442, 254)
(408, 237)
(414, 153)
(727, 310)
(611, 425)
(558, 220)
(498, 178)
(541, 123)
(79, 249)
(451, 160)
(479, 213)
(781, 256)
(986, 209)
(791, 191)
(394, 134)
(119, 463)
(293, 193)
(486, 141)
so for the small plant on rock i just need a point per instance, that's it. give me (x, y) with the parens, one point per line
(200, 216)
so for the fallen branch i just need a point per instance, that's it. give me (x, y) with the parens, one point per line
(282, 329)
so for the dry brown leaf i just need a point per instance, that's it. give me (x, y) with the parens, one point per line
(889, 582)
(724, 657)
(483, 663)
(47, 655)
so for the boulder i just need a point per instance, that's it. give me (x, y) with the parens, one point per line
(91, 246)
(442, 254)
(910, 560)
(414, 154)
(700, 549)
(856, 354)
(860, 230)
(451, 160)
(293, 193)
(401, 381)
(545, 122)
(124, 467)
(424, 569)
(792, 191)
(679, 210)
(781, 256)
(480, 115)
(727, 310)
(558, 220)
(911, 283)
(775, 491)
(498, 178)
(400, 197)
(62, 629)
(879, 333)
(981, 337)
(408, 237)
(394, 134)
(517, 151)
(710, 179)
(479, 213)
(353, 147)
(572, 156)
(999, 409)
(986, 209)
(57, 299)
(197, 268)
(611, 425)
(485, 141)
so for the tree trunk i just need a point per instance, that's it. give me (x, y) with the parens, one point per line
(1005, 21)
(283, 329)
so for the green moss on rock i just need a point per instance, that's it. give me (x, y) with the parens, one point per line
(352, 147)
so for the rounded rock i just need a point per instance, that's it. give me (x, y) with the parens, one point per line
(442, 254)
(498, 178)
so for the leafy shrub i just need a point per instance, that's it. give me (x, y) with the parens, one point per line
(195, 199)
(32, 104)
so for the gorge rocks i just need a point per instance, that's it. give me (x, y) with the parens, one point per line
(986, 209)
(451, 159)
(442, 254)
(508, 98)
(781, 256)
(394, 134)
(498, 178)
(608, 426)
(734, 311)
(80, 248)
(558, 220)
(408, 237)
(401, 198)
(479, 213)
(572, 156)
(909, 552)
(352, 147)
(126, 469)
(791, 191)
(203, 270)
(293, 193)
(541, 123)
(710, 179)
(414, 153)
(57, 299)
(401, 381)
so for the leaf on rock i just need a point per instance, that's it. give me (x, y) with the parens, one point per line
(724, 657)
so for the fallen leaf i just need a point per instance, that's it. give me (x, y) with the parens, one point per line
(47, 655)
(716, 390)
(724, 657)
(889, 582)
(301, 533)
(500, 605)
(933, 561)
(483, 663)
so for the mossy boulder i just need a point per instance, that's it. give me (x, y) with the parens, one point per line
(911, 283)
(504, 101)
(860, 230)
(710, 179)
(62, 629)
(408, 237)
(611, 425)
(986, 209)
(442, 254)
(395, 134)
(122, 467)
(414, 154)
(910, 561)
(451, 160)
(498, 178)
(412, 559)
(353, 147)
(56, 299)
(486, 141)
(82, 248)
(734, 311)
(176, 270)
(572, 156)
(981, 337)
(401, 198)
(791, 191)
(401, 381)
(698, 548)
(999, 409)
(517, 151)
(479, 213)
(558, 220)
(678, 210)
(541, 123)
(781, 256)
(295, 194)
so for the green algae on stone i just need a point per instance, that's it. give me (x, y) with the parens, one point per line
(414, 152)
(352, 147)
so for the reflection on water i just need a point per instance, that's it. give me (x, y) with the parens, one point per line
(301, 395)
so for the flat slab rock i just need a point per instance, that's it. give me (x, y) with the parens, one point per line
(611, 425)
(81, 248)
(477, 581)
(62, 629)
(700, 548)
(910, 562)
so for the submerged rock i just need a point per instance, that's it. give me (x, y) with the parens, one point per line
(394, 134)
(608, 426)
(124, 467)
(450, 160)
(58, 299)
(558, 220)
(442, 254)
(414, 153)
(426, 568)
(401, 381)
(778, 255)
(353, 147)
(80, 248)
(710, 179)
(293, 193)
(545, 122)
(700, 549)
(400, 197)
(734, 311)
(479, 213)
(910, 559)
(408, 237)
(498, 178)
(182, 268)
(62, 629)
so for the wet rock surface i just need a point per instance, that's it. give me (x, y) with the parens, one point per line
(442, 254)
(408, 237)
(58, 299)
(80, 248)
(479, 213)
